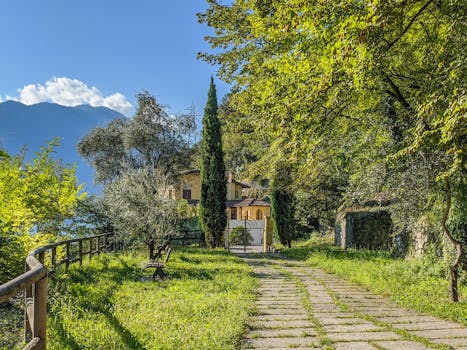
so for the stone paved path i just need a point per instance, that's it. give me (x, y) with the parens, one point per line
(302, 307)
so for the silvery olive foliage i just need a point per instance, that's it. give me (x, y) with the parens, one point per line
(137, 161)
(152, 138)
(140, 206)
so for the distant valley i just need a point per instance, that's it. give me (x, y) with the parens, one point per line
(36, 125)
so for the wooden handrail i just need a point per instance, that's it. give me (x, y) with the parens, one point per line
(34, 282)
(37, 272)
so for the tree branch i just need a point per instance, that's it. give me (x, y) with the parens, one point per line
(397, 94)
(410, 24)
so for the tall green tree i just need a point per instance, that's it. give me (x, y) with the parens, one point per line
(152, 138)
(37, 197)
(283, 206)
(213, 181)
(137, 160)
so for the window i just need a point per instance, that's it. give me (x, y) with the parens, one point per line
(259, 215)
(233, 213)
(236, 194)
(187, 194)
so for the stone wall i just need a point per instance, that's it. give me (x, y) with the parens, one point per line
(364, 229)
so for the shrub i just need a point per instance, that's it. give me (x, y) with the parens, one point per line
(240, 235)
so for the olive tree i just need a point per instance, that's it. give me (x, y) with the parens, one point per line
(137, 160)
(139, 204)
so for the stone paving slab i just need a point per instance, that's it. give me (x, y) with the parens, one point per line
(266, 311)
(321, 299)
(281, 307)
(401, 344)
(455, 342)
(284, 332)
(291, 342)
(280, 324)
(327, 308)
(363, 336)
(271, 300)
(361, 327)
(327, 321)
(341, 314)
(282, 297)
(294, 348)
(281, 317)
(420, 326)
(354, 346)
(382, 312)
(443, 333)
(407, 319)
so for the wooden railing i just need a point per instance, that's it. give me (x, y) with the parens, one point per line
(34, 280)
(186, 237)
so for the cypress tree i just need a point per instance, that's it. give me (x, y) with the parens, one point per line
(283, 216)
(283, 208)
(213, 218)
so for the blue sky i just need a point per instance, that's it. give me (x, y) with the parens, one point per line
(71, 52)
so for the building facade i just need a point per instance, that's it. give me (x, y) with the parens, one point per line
(238, 207)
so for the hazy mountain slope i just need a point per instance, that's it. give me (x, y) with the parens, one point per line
(35, 125)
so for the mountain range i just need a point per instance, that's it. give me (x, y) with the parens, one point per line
(33, 126)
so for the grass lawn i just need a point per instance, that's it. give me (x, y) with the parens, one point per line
(420, 285)
(203, 304)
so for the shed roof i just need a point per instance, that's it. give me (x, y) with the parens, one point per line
(243, 185)
(232, 202)
(252, 202)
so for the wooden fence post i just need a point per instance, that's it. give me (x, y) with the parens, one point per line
(80, 252)
(54, 258)
(41, 257)
(67, 261)
(90, 248)
(106, 243)
(27, 296)
(40, 313)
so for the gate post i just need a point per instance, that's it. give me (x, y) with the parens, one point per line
(267, 234)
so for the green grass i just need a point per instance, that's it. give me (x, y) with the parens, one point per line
(11, 324)
(420, 285)
(203, 304)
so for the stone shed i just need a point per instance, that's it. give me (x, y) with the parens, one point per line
(363, 228)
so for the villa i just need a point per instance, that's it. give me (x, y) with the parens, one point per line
(238, 206)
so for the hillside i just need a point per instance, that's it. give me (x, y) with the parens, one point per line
(35, 125)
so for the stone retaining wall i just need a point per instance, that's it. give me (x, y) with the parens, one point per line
(365, 229)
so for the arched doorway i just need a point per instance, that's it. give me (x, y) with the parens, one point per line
(259, 214)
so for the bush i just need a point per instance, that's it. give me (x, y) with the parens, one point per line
(240, 235)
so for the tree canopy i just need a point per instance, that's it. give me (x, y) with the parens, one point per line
(308, 70)
(137, 160)
(365, 99)
(152, 138)
(36, 199)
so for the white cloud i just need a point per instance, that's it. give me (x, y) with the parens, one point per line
(11, 98)
(72, 92)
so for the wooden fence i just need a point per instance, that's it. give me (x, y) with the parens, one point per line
(187, 237)
(39, 263)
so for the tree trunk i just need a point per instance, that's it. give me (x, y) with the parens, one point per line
(454, 268)
(151, 249)
(289, 244)
(454, 274)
